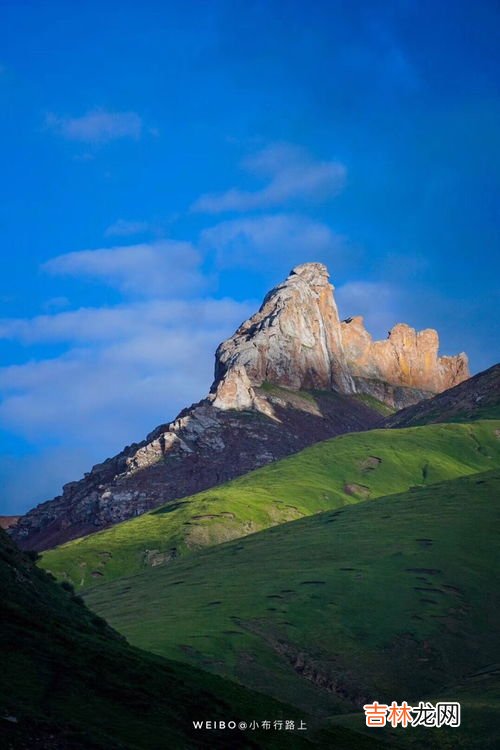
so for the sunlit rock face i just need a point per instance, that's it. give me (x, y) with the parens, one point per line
(297, 340)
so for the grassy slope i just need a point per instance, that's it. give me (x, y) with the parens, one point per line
(328, 475)
(396, 599)
(479, 698)
(73, 683)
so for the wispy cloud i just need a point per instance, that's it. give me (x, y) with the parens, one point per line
(124, 228)
(252, 241)
(97, 126)
(291, 174)
(122, 369)
(164, 267)
(125, 369)
(100, 324)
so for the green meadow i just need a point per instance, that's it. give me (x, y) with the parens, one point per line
(340, 472)
(393, 599)
(70, 681)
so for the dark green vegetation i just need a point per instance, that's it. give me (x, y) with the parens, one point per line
(479, 697)
(475, 398)
(393, 599)
(338, 472)
(69, 682)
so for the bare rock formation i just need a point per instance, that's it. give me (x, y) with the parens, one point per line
(296, 340)
(406, 358)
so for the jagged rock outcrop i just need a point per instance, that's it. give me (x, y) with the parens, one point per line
(297, 340)
(407, 358)
(290, 376)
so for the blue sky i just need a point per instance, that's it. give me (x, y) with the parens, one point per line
(165, 163)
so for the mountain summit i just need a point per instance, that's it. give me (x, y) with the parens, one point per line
(297, 340)
(291, 375)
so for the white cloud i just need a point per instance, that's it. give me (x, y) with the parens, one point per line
(124, 228)
(126, 369)
(291, 174)
(121, 322)
(268, 239)
(111, 385)
(97, 126)
(150, 269)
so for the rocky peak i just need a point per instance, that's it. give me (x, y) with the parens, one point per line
(297, 340)
(294, 340)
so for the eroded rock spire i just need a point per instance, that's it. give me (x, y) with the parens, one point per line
(297, 340)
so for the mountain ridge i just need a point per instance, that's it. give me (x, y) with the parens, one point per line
(346, 470)
(293, 374)
(394, 597)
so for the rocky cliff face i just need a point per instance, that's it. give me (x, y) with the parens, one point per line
(407, 358)
(297, 340)
(290, 376)
(6, 522)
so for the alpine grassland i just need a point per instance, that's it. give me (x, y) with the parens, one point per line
(336, 473)
(383, 600)
(69, 682)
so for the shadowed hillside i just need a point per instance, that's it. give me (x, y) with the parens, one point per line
(384, 600)
(69, 682)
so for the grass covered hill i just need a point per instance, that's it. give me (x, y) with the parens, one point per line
(393, 599)
(332, 474)
(69, 682)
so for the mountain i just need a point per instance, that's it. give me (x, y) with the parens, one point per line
(293, 374)
(391, 599)
(204, 446)
(297, 340)
(476, 398)
(69, 682)
(342, 471)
